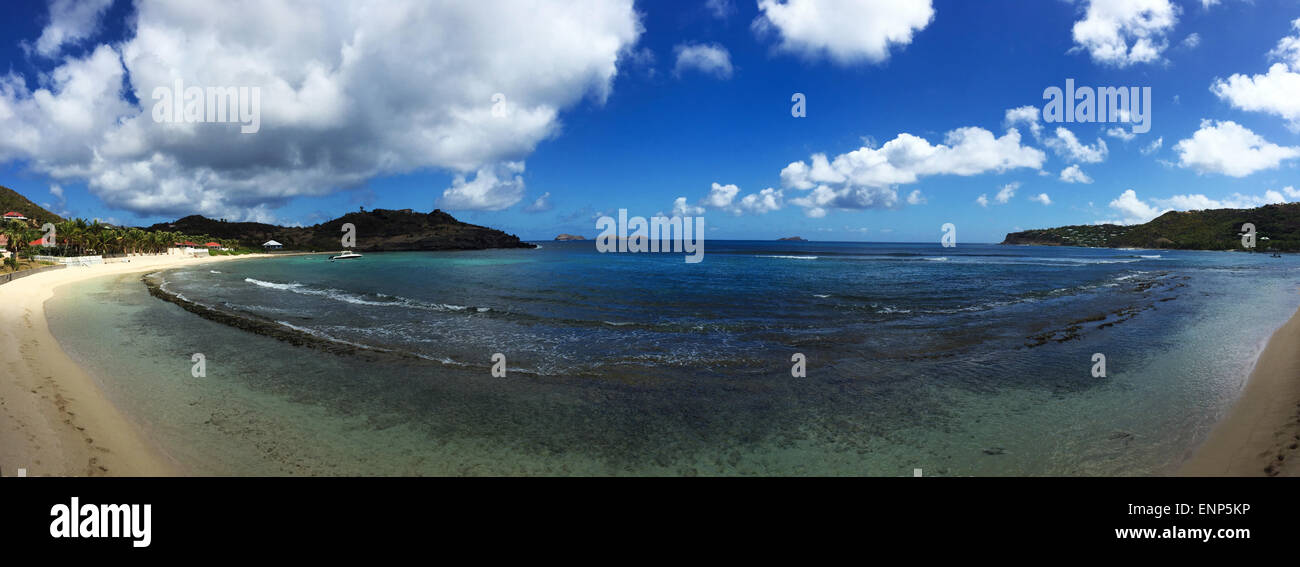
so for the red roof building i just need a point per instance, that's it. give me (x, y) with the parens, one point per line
(213, 245)
(12, 215)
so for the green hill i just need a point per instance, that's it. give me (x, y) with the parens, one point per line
(11, 200)
(376, 230)
(1277, 228)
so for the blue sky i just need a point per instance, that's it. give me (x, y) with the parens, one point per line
(664, 130)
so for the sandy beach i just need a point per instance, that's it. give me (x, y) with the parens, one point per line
(1260, 435)
(54, 418)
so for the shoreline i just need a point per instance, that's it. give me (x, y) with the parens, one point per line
(55, 419)
(1260, 433)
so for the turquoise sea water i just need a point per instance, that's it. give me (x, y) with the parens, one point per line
(973, 360)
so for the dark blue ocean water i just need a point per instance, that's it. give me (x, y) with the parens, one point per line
(969, 360)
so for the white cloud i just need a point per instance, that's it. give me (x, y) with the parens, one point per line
(710, 59)
(1066, 145)
(1041, 198)
(1192, 40)
(342, 102)
(723, 197)
(1153, 147)
(764, 201)
(867, 178)
(1073, 174)
(983, 200)
(682, 209)
(492, 189)
(848, 31)
(915, 197)
(1133, 210)
(1229, 148)
(1125, 32)
(720, 196)
(1273, 92)
(1199, 202)
(71, 21)
(1288, 48)
(1027, 115)
(1121, 133)
(1007, 192)
(541, 205)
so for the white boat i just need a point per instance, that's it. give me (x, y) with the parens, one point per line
(345, 255)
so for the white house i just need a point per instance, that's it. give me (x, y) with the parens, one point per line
(272, 245)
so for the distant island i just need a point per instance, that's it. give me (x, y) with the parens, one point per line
(791, 239)
(1277, 227)
(570, 237)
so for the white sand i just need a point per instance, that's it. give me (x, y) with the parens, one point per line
(1264, 424)
(54, 418)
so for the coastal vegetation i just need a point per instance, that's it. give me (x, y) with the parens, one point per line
(377, 230)
(1277, 228)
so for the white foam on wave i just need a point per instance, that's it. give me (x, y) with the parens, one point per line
(340, 295)
(789, 257)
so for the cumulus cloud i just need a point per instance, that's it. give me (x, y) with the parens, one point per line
(1133, 210)
(1192, 40)
(1041, 198)
(915, 197)
(848, 31)
(1231, 149)
(682, 209)
(1027, 115)
(492, 189)
(764, 201)
(1073, 174)
(541, 205)
(341, 101)
(71, 21)
(982, 200)
(710, 59)
(1007, 192)
(720, 196)
(1066, 145)
(1125, 32)
(723, 197)
(867, 178)
(1274, 92)
(1121, 133)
